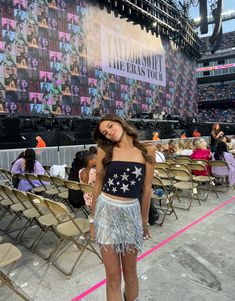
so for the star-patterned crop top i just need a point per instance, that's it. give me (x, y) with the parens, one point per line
(124, 179)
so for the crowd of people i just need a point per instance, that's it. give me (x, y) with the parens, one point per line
(216, 92)
(217, 115)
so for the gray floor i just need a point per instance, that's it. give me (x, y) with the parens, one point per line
(197, 264)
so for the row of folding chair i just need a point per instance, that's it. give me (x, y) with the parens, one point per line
(48, 215)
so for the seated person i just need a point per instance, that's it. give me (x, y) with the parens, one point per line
(221, 153)
(188, 148)
(196, 133)
(201, 153)
(160, 157)
(28, 164)
(83, 171)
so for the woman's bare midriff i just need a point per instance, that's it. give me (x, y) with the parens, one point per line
(116, 197)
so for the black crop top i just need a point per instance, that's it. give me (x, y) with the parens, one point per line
(124, 179)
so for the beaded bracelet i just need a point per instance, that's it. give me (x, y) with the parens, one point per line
(146, 226)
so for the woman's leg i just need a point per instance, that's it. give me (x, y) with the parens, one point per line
(130, 276)
(112, 265)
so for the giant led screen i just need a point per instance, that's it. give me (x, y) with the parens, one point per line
(72, 58)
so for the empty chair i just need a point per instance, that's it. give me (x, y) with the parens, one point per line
(163, 202)
(9, 254)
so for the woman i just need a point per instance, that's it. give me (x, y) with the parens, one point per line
(82, 170)
(216, 134)
(222, 153)
(124, 171)
(201, 153)
(28, 164)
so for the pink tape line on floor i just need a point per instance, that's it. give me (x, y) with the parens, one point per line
(161, 244)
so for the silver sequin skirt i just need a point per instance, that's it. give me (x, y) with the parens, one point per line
(118, 224)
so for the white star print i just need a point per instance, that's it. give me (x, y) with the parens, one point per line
(110, 182)
(124, 187)
(125, 176)
(115, 176)
(133, 182)
(118, 183)
(137, 172)
(128, 169)
(114, 189)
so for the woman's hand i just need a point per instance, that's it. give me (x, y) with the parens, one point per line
(146, 233)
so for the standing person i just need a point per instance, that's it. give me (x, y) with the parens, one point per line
(155, 136)
(28, 164)
(216, 133)
(196, 133)
(124, 171)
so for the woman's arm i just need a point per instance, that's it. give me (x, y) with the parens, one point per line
(99, 179)
(147, 187)
(17, 166)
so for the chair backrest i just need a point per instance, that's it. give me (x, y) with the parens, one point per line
(47, 169)
(7, 174)
(86, 188)
(30, 178)
(197, 166)
(170, 161)
(9, 193)
(163, 164)
(59, 210)
(67, 170)
(57, 181)
(161, 173)
(37, 201)
(22, 197)
(180, 166)
(45, 178)
(218, 163)
(72, 185)
(183, 160)
(180, 174)
(200, 161)
(21, 176)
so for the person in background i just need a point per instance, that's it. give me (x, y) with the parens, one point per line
(188, 148)
(40, 142)
(83, 161)
(221, 153)
(201, 153)
(15, 180)
(160, 157)
(125, 168)
(156, 136)
(216, 134)
(28, 164)
(196, 133)
(183, 135)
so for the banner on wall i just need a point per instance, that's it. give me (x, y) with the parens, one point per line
(125, 56)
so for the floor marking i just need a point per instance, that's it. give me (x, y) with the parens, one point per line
(158, 246)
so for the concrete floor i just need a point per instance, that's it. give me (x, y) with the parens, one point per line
(196, 263)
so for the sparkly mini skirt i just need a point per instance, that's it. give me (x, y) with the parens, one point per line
(118, 224)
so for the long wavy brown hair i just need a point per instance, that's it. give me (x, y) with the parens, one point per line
(107, 145)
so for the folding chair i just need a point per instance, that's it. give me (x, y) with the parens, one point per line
(165, 165)
(9, 254)
(222, 179)
(5, 203)
(70, 230)
(7, 176)
(185, 184)
(203, 179)
(163, 203)
(47, 223)
(183, 160)
(31, 178)
(47, 169)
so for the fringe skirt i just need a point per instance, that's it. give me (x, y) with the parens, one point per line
(118, 224)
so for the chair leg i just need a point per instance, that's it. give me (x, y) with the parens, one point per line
(9, 283)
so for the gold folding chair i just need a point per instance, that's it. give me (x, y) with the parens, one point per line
(74, 229)
(185, 184)
(163, 203)
(165, 165)
(47, 169)
(9, 254)
(183, 160)
(203, 179)
(31, 179)
(223, 180)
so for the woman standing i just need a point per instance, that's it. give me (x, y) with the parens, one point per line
(124, 172)
(216, 133)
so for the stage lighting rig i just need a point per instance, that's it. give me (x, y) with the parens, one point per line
(159, 17)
